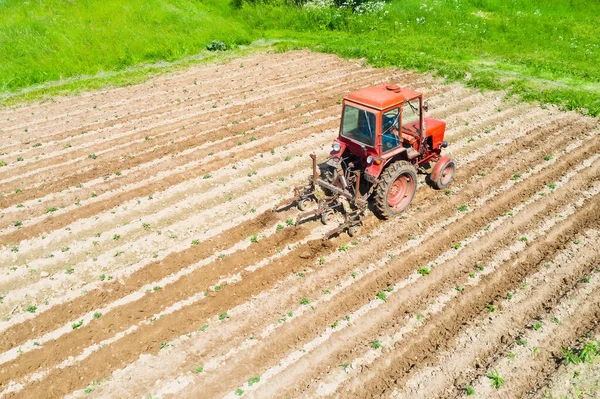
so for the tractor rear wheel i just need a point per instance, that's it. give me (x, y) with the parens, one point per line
(396, 189)
(443, 173)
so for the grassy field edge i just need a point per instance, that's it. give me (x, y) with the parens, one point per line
(548, 53)
(132, 75)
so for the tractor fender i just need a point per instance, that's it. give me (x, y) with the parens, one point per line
(373, 171)
(439, 167)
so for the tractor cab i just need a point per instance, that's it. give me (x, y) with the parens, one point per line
(386, 122)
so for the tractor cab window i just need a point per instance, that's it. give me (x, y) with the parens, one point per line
(358, 125)
(411, 113)
(390, 136)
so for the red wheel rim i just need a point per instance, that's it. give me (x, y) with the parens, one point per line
(447, 173)
(401, 192)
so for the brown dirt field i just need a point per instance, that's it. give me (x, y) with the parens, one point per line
(127, 268)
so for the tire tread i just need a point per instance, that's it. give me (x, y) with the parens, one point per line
(389, 176)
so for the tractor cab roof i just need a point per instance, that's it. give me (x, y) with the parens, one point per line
(382, 96)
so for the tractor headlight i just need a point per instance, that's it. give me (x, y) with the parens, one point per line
(336, 146)
(370, 159)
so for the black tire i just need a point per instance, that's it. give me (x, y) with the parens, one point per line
(445, 176)
(402, 171)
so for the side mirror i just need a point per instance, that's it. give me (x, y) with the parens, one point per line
(425, 106)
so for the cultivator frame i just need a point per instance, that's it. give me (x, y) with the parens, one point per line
(337, 197)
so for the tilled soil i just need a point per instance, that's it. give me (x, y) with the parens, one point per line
(141, 257)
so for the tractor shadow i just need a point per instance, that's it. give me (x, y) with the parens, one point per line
(426, 170)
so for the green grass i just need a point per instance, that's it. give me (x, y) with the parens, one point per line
(43, 41)
(497, 381)
(545, 51)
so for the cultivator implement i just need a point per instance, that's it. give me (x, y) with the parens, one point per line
(324, 198)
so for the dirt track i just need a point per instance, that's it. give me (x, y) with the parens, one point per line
(132, 209)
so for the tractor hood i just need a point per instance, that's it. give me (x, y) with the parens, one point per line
(434, 126)
(435, 129)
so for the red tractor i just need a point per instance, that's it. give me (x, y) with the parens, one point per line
(383, 140)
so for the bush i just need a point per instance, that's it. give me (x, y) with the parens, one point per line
(217, 45)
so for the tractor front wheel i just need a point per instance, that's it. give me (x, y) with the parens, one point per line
(443, 173)
(396, 189)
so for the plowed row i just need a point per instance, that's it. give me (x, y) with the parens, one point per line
(128, 268)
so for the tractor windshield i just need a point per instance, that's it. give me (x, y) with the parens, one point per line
(411, 112)
(358, 125)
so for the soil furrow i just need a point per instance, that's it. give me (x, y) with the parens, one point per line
(171, 210)
(164, 251)
(120, 319)
(16, 234)
(57, 244)
(38, 209)
(284, 381)
(115, 97)
(349, 267)
(367, 288)
(125, 101)
(569, 380)
(439, 333)
(230, 297)
(161, 127)
(207, 209)
(53, 315)
(61, 314)
(139, 150)
(451, 273)
(92, 209)
(488, 339)
(190, 140)
(523, 380)
(112, 190)
(158, 95)
(126, 349)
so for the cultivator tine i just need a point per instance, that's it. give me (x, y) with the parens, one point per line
(335, 231)
(323, 206)
(307, 214)
(299, 194)
(284, 204)
(352, 222)
(328, 205)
